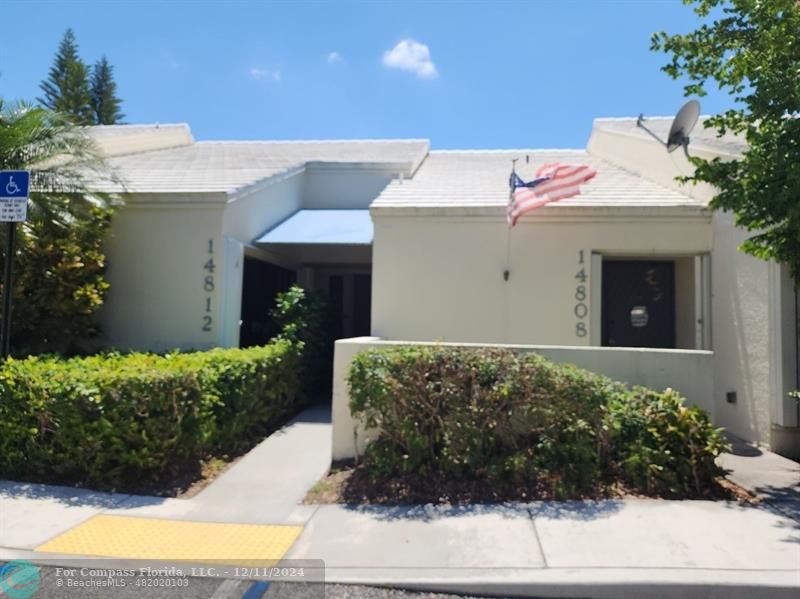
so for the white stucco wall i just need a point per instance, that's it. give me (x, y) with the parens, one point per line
(688, 372)
(746, 337)
(253, 211)
(344, 186)
(156, 252)
(159, 243)
(751, 307)
(440, 278)
(685, 318)
(643, 156)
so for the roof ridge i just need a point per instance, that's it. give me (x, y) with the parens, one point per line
(645, 118)
(509, 150)
(139, 126)
(311, 141)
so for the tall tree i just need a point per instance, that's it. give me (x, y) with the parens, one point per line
(105, 103)
(751, 48)
(66, 88)
(60, 262)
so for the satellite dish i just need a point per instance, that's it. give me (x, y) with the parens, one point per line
(682, 126)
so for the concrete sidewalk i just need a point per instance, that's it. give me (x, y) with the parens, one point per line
(630, 548)
(598, 549)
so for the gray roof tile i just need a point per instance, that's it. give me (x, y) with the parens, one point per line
(227, 166)
(476, 178)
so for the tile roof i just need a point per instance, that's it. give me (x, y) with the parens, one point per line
(118, 140)
(228, 166)
(479, 178)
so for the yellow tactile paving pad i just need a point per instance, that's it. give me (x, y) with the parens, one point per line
(149, 538)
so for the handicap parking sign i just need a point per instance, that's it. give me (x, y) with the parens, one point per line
(14, 195)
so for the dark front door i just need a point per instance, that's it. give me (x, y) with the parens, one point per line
(638, 303)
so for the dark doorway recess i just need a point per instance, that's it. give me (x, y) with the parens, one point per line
(350, 297)
(362, 305)
(261, 282)
(638, 303)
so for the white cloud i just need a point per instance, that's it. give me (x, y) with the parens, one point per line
(411, 55)
(334, 57)
(258, 74)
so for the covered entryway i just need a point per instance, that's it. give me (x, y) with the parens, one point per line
(333, 253)
(261, 283)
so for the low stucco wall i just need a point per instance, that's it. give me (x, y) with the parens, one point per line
(687, 371)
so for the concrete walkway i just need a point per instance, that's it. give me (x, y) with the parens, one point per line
(630, 548)
(264, 487)
(770, 476)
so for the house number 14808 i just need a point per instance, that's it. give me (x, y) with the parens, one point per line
(581, 310)
(208, 286)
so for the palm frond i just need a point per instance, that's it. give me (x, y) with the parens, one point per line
(65, 163)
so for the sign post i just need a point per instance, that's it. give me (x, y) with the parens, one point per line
(13, 210)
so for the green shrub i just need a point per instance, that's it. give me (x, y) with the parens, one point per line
(59, 283)
(304, 318)
(661, 446)
(510, 420)
(115, 421)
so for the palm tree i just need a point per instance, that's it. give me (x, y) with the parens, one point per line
(63, 159)
(60, 283)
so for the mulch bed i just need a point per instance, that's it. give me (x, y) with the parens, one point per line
(352, 484)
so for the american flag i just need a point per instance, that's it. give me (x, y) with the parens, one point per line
(553, 182)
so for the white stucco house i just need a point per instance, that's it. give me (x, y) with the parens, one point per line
(412, 244)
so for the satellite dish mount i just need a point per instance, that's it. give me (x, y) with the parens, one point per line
(682, 126)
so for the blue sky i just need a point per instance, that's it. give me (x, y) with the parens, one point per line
(464, 74)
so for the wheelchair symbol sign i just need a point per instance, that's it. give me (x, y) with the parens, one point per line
(14, 195)
(14, 184)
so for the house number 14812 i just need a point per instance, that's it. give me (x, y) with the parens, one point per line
(581, 310)
(208, 286)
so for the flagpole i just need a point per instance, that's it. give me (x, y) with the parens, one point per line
(507, 271)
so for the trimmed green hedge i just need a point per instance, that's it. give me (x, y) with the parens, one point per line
(114, 421)
(521, 420)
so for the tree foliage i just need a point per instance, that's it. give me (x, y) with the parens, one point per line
(88, 94)
(59, 284)
(66, 89)
(59, 262)
(105, 103)
(751, 49)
